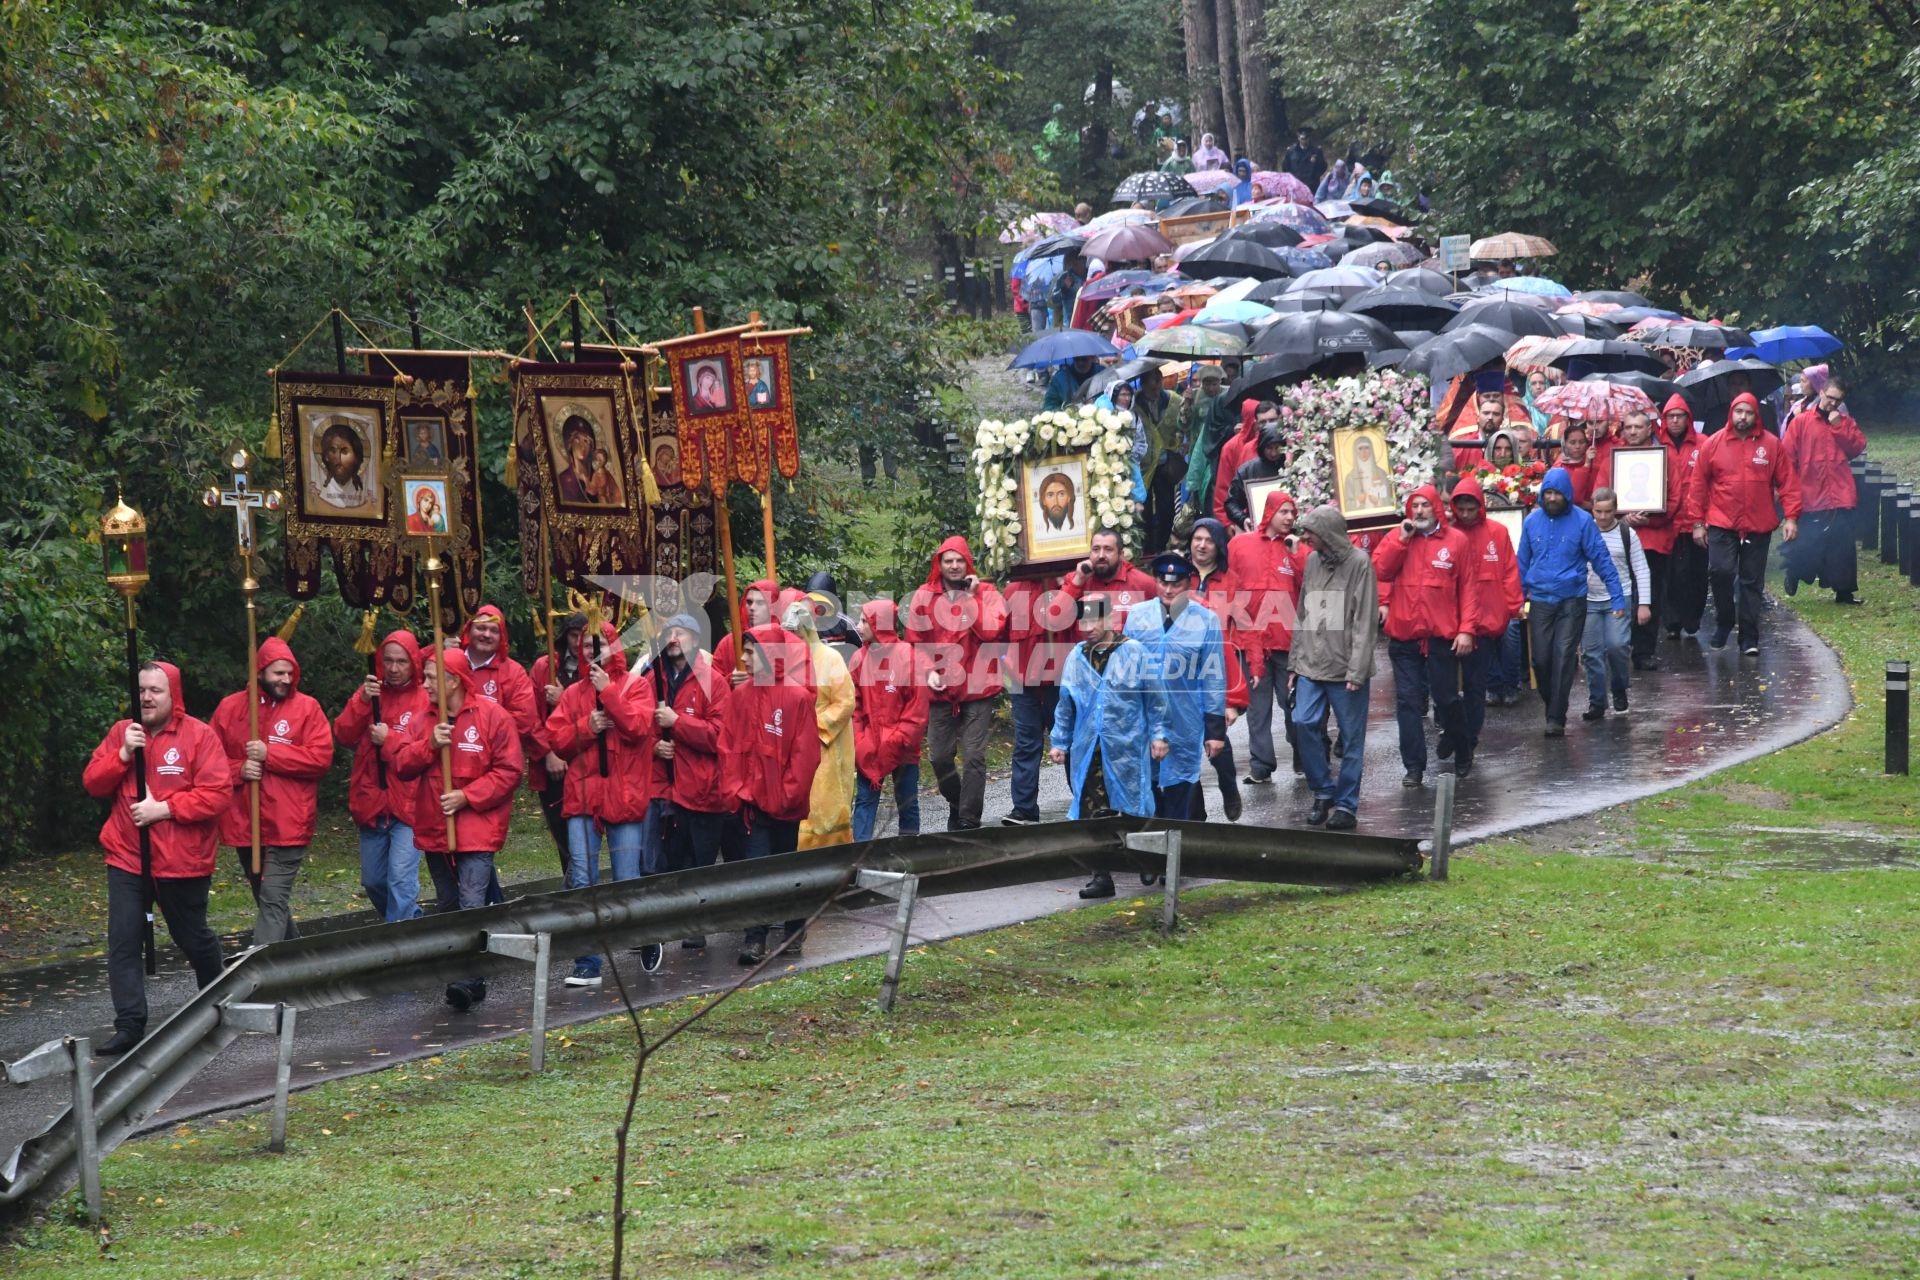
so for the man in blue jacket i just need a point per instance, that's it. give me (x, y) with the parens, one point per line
(1182, 639)
(1558, 542)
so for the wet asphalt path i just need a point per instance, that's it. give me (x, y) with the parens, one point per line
(1703, 712)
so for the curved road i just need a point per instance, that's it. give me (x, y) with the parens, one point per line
(1703, 712)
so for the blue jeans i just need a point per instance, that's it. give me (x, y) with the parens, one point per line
(906, 796)
(1033, 709)
(390, 869)
(656, 832)
(583, 861)
(1605, 649)
(1312, 699)
(1416, 677)
(1505, 674)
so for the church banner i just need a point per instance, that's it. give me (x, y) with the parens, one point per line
(767, 362)
(576, 446)
(717, 434)
(336, 447)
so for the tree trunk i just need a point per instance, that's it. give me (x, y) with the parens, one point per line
(1224, 25)
(1266, 127)
(1203, 69)
(1093, 143)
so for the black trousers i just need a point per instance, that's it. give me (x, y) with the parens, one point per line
(1555, 633)
(1737, 559)
(693, 839)
(1686, 583)
(183, 903)
(752, 834)
(1824, 552)
(1659, 570)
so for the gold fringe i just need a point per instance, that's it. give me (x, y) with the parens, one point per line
(292, 624)
(368, 620)
(649, 488)
(539, 624)
(270, 447)
(512, 473)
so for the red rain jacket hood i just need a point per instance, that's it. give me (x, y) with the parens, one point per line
(486, 766)
(622, 795)
(1819, 450)
(960, 640)
(724, 658)
(1495, 574)
(1736, 481)
(299, 751)
(890, 702)
(1243, 444)
(1425, 580)
(955, 543)
(186, 767)
(400, 709)
(772, 741)
(1268, 571)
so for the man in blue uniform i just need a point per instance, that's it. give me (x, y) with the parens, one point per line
(1182, 638)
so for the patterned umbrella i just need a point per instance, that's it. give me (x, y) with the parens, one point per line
(1539, 286)
(1589, 307)
(1152, 185)
(1535, 350)
(1036, 225)
(1189, 340)
(1283, 186)
(1336, 279)
(1115, 283)
(1595, 401)
(1699, 337)
(1510, 244)
(1372, 255)
(1130, 243)
(1303, 218)
(1118, 218)
(1211, 180)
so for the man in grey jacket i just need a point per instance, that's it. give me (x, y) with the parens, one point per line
(1331, 663)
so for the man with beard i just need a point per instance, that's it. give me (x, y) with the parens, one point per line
(1655, 530)
(1332, 663)
(188, 787)
(381, 801)
(1426, 609)
(955, 623)
(342, 455)
(1819, 441)
(504, 682)
(1558, 544)
(288, 760)
(688, 695)
(1743, 472)
(1056, 504)
(1067, 379)
(1109, 572)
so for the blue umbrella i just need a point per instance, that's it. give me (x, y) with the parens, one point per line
(1241, 312)
(1301, 260)
(1062, 346)
(1789, 342)
(1531, 284)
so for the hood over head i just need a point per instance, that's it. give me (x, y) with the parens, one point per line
(883, 616)
(821, 580)
(1467, 487)
(1432, 494)
(955, 543)
(484, 611)
(1271, 436)
(1676, 403)
(1219, 533)
(1513, 442)
(1815, 376)
(766, 587)
(454, 662)
(1249, 429)
(1275, 500)
(798, 617)
(1558, 480)
(1327, 524)
(1746, 398)
(612, 656)
(273, 649)
(786, 653)
(173, 688)
(408, 641)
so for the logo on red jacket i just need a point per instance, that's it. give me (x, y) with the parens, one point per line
(777, 726)
(491, 689)
(1493, 552)
(281, 731)
(1443, 558)
(472, 739)
(405, 718)
(171, 762)
(1760, 456)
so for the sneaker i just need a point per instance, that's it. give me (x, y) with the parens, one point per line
(118, 1043)
(752, 952)
(1342, 820)
(1230, 804)
(1645, 662)
(585, 974)
(1463, 768)
(698, 942)
(1620, 701)
(1412, 780)
(1846, 597)
(650, 957)
(1444, 749)
(1259, 779)
(1101, 886)
(1751, 649)
(1020, 820)
(1595, 711)
(1718, 640)
(1317, 816)
(1556, 729)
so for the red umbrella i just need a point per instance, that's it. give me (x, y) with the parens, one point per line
(1131, 243)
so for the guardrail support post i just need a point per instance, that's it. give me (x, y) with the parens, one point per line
(537, 948)
(70, 1055)
(1166, 843)
(273, 1020)
(905, 889)
(1443, 785)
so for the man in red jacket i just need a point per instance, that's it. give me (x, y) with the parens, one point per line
(547, 772)
(1041, 630)
(188, 787)
(1741, 473)
(772, 752)
(955, 623)
(1655, 530)
(889, 722)
(1426, 608)
(501, 680)
(288, 759)
(476, 796)
(1819, 442)
(382, 803)
(1493, 578)
(1687, 575)
(1266, 566)
(1245, 444)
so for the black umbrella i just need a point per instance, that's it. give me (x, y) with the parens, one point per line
(1274, 235)
(1055, 245)
(1701, 337)
(1357, 236)
(1415, 337)
(1458, 351)
(1152, 185)
(1476, 279)
(1658, 390)
(1517, 318)
(1601, 357)
(1376, 207)
(1423, 279)
(1194, 204)
(1098, 382)
(1297, 301)
(1619, 297)
(1264, 379)
(1577, 325)
(1401, 308)
(1709, 384)
(1237, 258)
(1316, 335)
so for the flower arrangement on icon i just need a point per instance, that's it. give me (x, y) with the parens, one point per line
(1517, 484)
(1382, 400)
(1051, 452)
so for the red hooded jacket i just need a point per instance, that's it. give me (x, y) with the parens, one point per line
(1686, 443)
(1656, 532)
(1043, 625)
(622, 794)
(772, 744)
(506, 682)
(400, 709)
(487, 767)
(1426, 580)
(1735, 480)
(1495, 575)
(1128, 587)
(1268, 571)
(692, 779)
(186, 767)
(1222, 595)
(958, 638)
(299, 751)
(890, 700)
(1243, 444)
(1818, 450)
(724, 658)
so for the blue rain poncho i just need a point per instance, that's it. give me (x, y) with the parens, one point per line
(1190, 662)
(1114, 710)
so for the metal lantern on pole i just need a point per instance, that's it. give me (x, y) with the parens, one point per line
(123, 554)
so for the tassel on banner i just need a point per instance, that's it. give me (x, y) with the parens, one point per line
(270, 447)
(511, 473)
(364, 645)
(292, 624)
(649, 487)
(539, 624)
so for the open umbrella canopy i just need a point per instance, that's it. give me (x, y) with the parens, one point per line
(1579, 324)
(1274, 235)
(1790, 342)
(1375, 207)
(1591, 355)
(1400, 308)
(1062, 346)
(1510, 244)
(1192, 205)
(1283, 186)
(1053, 246)
(1586, 307)
(1303, 218)
(1095, 386)
(1659, 390)
(1595, 401)
(1351, 280)
(1240, 289)
(1152, 185)
(1373, 255)
(1128, 243)
(1458, 351)
(1236, 258)
(1535, 351)
(1713, 383)
(1300, 299)
(1619, 297)
(1264, 379)
(1301, 259)
(1036, 226)
(1318, 334)
(1335, 209)
(1359, 233)
(1134, 368)
(1189, 340)
(1115, 283)
(1212, 180)
(1423, 279)
(1119, 218)
(1699, 337)
(1515, 317)
(1228, 309)
(1538, 285)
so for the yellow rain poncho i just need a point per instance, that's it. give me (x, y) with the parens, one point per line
(829, 817)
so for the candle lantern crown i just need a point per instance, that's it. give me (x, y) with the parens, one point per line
(123, 546)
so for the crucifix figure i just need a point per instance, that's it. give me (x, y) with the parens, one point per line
(244, 500)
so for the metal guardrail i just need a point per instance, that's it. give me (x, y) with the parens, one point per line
(335, 968)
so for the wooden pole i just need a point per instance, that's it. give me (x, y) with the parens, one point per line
(440, 692)
(150, 957)
(248, 586)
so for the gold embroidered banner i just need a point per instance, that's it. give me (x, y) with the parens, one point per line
(577, 450)
(767, 362)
